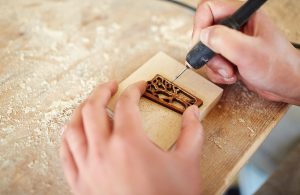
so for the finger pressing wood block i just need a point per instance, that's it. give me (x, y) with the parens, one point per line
(162, 124)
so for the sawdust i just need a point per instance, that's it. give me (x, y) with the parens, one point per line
(241, 120)
(252, 132)
(55, 72)
(167, 30)
(51, 59)
(52, 55)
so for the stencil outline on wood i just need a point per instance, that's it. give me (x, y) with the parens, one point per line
(166, 93)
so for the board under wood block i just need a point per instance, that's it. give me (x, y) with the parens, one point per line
(162, 124)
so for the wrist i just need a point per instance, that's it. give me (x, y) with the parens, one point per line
(296, 80)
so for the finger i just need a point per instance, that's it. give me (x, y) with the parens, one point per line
(209, 12)
(271, 96)
(68, 164)
(217, 78)
(191, 137)
(221, 66)
(97, 123)
(235, 46)
(127, 115)
(76, 138)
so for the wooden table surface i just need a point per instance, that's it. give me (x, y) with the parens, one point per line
(53, 53)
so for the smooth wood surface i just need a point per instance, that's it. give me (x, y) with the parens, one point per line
(53, 53)
(161, 124)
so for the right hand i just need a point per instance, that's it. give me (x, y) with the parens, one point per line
(260, 55)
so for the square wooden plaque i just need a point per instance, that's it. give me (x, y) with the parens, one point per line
(161, 124)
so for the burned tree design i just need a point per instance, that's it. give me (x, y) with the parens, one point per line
(166, 93)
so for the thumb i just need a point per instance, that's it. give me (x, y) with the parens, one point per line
(191, 138)
(237, 47)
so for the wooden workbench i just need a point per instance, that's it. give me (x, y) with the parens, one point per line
(53, 53)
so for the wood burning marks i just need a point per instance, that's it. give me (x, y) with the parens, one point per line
(168, 94)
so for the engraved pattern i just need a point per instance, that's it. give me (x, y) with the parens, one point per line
(166, 93)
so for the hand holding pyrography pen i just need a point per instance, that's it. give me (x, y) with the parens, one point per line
(200, 54)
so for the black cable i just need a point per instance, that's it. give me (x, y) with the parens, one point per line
(182, 4)
(296, 45)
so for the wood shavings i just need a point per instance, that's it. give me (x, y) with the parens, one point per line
(9, 111)
(154, 28)
(252, 132)
(31, 164)
(8, 129)
(29, 89)
(29, 109)
(241, 120)
(22, 85)
(44, 46)
(218, 144)
(22, 56)
(218, 141)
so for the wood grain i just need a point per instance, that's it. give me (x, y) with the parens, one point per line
(53, 53)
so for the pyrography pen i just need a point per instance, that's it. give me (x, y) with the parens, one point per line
(200, 54)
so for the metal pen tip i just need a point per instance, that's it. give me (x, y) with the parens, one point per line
(180, 73)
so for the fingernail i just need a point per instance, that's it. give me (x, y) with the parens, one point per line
(204, 36)
(223, 73)
(231, 79)
(196, 111)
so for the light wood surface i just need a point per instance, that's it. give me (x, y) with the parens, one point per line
(53, 53)
(161, 124)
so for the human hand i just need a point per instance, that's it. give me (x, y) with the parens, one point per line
(260, 55)
(104, 156)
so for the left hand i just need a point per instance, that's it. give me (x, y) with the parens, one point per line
(104, 156)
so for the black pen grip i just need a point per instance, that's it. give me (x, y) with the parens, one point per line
(200, 54)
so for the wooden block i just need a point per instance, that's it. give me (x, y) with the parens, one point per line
(161, 124)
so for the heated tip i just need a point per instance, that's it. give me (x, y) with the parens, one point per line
(180, 73)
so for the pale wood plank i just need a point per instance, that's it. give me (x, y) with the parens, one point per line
(53, 53)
